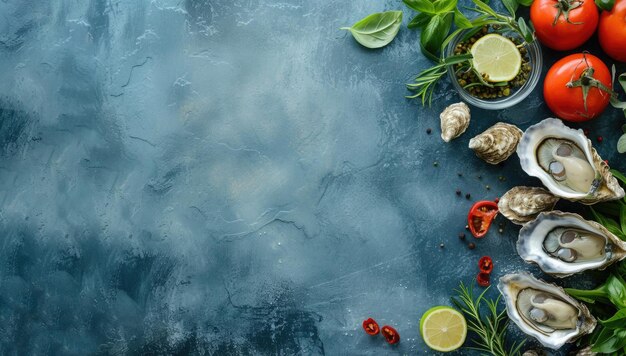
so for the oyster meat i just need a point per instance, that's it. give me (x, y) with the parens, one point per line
(566, 163)
(544, 310)
(497, 143)
(454, 121)
(562, 244)
(523, 204)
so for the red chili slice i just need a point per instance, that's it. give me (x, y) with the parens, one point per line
(370, 326)
(391, 335)
(485, 264)
(483, 279)
(480, 217)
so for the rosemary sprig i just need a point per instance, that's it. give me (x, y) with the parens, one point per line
(491, 327)
(427, 79)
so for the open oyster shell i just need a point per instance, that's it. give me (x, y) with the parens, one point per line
(523, 204)
(454, 121)
(562, 244)
(497, 143)
(566, 163)
(544, 310)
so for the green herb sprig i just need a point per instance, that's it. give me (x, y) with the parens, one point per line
(491, 328)
(435, 21)
(616, 103)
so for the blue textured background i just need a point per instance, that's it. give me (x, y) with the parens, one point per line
(231, 177)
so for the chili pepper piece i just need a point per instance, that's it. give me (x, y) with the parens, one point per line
(485, 264)
(371, 326)
(483, 279)
(480, 217)
(391, 335)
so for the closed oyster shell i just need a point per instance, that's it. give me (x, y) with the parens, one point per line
(523, 204)
(550, 133)
(454, 121)
(546, 300)
(497, 143)
(542, 240)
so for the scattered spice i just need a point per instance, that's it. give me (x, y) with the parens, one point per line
(468, 196)
(391, 335)
(471, 245)
(458, 192)
(435, 163)
(500, 230)
(600, 138)
(370, 326)
(466, 227)
(462, 236)
(501, 178)
(487, 187)
(441, 246)
(479, 177)
(586, 132)
(460, 174)
(428, 131)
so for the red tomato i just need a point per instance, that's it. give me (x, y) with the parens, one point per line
(564, 83)
(370, 326)
(564, 24)
(612, 31)
(391, 335)
(482, 279)
(485, 264)
(480, 217)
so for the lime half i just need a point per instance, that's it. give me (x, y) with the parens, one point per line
(443, 328)
(497, 57)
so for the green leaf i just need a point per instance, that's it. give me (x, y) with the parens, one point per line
(616, 289)
(621, 144)
(376, 30)
(611, 344)
(443, 6)
(622, 80)
(511, 6)
(421, 5)
(526, 32)
(617, 174)
(605, 5)
(459, 58)
(419, 21)
(622, 217)
(616, 321)
(484, 7)
(525, 2)
(460, 20)
(435, 32)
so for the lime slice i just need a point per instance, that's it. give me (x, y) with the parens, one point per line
(443, 328)
(497, 57)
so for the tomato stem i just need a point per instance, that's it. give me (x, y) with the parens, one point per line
(586, 81)
(564, 7)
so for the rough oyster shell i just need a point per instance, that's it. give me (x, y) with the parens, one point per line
(590, 182)
(547, 241)
(454, 121)
(523, 204)
(544, 310)
(497, 143)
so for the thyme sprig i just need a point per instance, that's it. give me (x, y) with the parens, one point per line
(490, 327)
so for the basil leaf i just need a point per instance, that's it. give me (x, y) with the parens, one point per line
(460, 20)
(525, 2)
(511, 6)
(617, 174)
(613, 343)
(622, 217)
(435, 33)
(443, 6)
(616, 290)
(421, 5)
(606, 5)
(376, 30)
(419, 21)
(616, 321)
(604, 336)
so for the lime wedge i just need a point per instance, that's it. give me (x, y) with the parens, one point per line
(443, 329)
(497, 57)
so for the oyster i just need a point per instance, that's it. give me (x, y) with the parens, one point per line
(564, 243)
(454, 121)
(497, 143)
(522, 204)
(566, 163)
(544, 310)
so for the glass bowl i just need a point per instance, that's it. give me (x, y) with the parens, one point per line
(519, 94)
